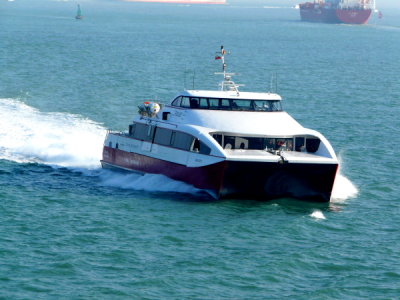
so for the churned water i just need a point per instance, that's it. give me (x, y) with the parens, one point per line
(70, 230)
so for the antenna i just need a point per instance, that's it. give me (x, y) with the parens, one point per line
(274, 83)
(184, 78)
(271, 84)
(227, 84)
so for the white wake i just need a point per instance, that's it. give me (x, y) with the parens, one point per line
(59, 139)
(67, 140)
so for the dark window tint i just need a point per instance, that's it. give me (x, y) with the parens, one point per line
(204, 149)
(163, 136)
(242, 105)
(225, 104)
(177, 101)
(299, 143)
(200, 147)
(185, 102)
(132, 129)
(214, 103)
(165, 115)
(229, 142)
(194, 102)
(312, 145)
(143, 132)
(182, 141)
(218, 138)
(203, 103)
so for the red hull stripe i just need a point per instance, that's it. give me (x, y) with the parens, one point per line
(207, 177)
(237, 179)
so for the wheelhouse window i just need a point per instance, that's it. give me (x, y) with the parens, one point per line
(228, 104)
(185, 102)
(177, 101)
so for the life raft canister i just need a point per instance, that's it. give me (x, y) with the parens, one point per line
(149, 109)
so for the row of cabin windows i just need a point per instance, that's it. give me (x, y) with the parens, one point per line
(168, 137)
(227, 104)
(299, 144)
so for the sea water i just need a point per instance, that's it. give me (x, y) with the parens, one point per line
(70, 230)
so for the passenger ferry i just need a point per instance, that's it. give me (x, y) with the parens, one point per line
(230, 143)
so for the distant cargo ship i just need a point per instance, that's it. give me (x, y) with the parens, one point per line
(183, 1)
(337, 11)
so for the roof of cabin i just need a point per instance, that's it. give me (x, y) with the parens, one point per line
(230, 95)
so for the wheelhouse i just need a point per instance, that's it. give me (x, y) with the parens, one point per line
(227, 104)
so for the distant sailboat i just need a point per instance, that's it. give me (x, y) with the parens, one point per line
(79, 13)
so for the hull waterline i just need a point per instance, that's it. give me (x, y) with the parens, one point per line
(235, 179)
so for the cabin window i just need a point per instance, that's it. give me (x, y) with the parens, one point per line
(284, 144)
(214, 103)
(196, 145)
(204, 149)
(275, 106)
(241, 105)
(312, 145)
(229, 142)
(228, 104)
(299, 144)
(203, 103)
(225, 104)
(185, 102)
(165, 115)
(182, 141)
(163, 136)
(256, 143)
(253, 143)
(143, 132)
(132, 129)
(218, 138)
(194, 103)
(200, 147)
(177, 101)
(173, 134)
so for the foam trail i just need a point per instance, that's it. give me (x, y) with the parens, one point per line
(317, 214)
(59, 139)
(343, 188)
(147, 182)
(67, 140)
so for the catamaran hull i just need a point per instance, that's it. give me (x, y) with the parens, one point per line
(236, 179)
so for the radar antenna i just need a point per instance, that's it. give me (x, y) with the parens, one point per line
(227, 84)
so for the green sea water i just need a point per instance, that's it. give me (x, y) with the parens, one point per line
(70, 230)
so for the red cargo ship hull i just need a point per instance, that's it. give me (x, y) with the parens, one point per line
(354, 16)
(311, 12)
